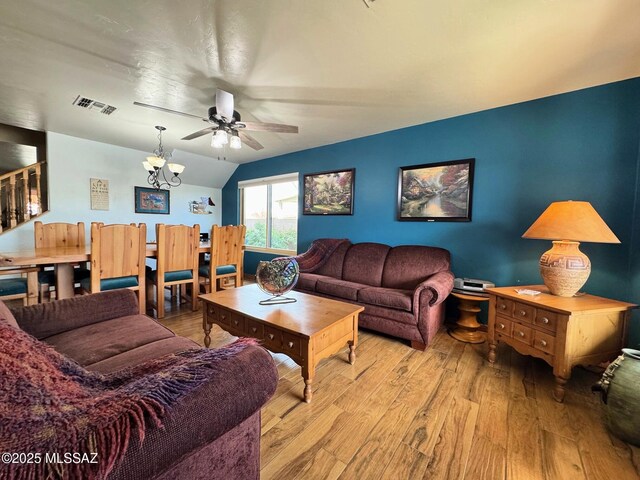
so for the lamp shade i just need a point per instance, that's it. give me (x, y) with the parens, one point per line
(574, 221)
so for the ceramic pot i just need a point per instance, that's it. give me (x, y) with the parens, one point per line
(620, 388)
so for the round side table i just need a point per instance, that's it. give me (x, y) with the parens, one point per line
(467, 326)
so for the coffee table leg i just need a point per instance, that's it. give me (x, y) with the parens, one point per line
(307, 374)
(207, 332)
(352, 353)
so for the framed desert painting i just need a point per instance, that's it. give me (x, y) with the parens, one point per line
(436, 192)
(150, 200)
(329, 193)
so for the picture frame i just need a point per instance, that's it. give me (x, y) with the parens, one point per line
(436, 192)
(150, 200)
(329, 193)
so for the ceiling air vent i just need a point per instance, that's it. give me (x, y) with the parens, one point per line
(91, 104)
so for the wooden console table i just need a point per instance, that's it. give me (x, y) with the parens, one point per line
(307, 331)
(584, 330)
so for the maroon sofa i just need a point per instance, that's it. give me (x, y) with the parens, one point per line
(402, 288)
(212, 433)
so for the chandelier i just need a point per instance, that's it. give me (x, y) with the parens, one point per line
(155, 166)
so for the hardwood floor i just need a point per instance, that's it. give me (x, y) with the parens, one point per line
(440, 414)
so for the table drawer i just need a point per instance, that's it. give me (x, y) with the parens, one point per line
(522, 334)
(223, 316)
(238, 323)
(547, 320)
(272, 337)
(255, 329)
(523, 312)
(503, 326)
(544, 342)
(291, 344)
(504, 306)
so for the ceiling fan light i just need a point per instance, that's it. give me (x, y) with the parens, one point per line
(235, 142)
(221, 137)
(175, 168)
(147, 166)
(156, 162)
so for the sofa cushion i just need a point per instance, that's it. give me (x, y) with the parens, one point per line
(308, 281)
(94, 343)
(339, 288)
(364, 262)
(141, 354)
(387, 297)
(408, 265)
(332, 267)
(6, 314)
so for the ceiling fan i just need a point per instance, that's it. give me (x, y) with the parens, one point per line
(226, 125)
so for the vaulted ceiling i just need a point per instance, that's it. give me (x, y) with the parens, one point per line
(338, 69)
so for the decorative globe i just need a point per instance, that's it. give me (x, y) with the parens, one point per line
(278, 276)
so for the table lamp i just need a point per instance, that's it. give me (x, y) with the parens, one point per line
(564, 268)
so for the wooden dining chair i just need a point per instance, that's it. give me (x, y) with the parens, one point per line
(177, 263)
(55, 235)
(227, 257)
(23, 284)
(118, 259)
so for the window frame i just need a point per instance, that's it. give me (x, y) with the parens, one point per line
(268, 181)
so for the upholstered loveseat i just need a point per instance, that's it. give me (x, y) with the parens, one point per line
(402, 288)
(212, 432)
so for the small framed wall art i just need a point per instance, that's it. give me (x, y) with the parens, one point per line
(329, 193)
(150, 200)
(436, 192)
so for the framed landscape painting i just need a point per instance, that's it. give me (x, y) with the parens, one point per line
(436, 192)
(150, 200)
(329, 193)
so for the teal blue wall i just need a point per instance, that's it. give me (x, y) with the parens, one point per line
(577, 146)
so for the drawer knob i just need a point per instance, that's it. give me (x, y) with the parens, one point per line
(503, 306)
(271, 336)
(224, 317)
(543, 343)
(254, 329)
(545, 320)
(521, 334)
(522, 313)
(290, 344)
(501, 325)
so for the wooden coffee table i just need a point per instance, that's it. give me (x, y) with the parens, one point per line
(307, 331)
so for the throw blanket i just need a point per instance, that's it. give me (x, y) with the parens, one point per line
(318, 253)
(50, 404)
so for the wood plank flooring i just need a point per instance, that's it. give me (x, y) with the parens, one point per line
(440, 414)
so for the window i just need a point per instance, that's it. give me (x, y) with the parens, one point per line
(269, 209)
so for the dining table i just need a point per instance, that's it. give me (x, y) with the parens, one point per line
(63, 258)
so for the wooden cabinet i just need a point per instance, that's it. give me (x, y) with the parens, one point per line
(584, 330)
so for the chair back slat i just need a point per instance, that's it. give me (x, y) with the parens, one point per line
(177, 247)
(117, 251)
(227, 245)
(49, 235)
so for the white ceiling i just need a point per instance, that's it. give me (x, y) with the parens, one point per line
(339, 69)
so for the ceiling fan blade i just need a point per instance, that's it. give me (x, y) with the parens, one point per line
(200, 133)
(166, 110)
(224, 104)
(250, 141)
(269, 127)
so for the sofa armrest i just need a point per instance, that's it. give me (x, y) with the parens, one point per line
(236, 390)
(438, 287)
(52, 318)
